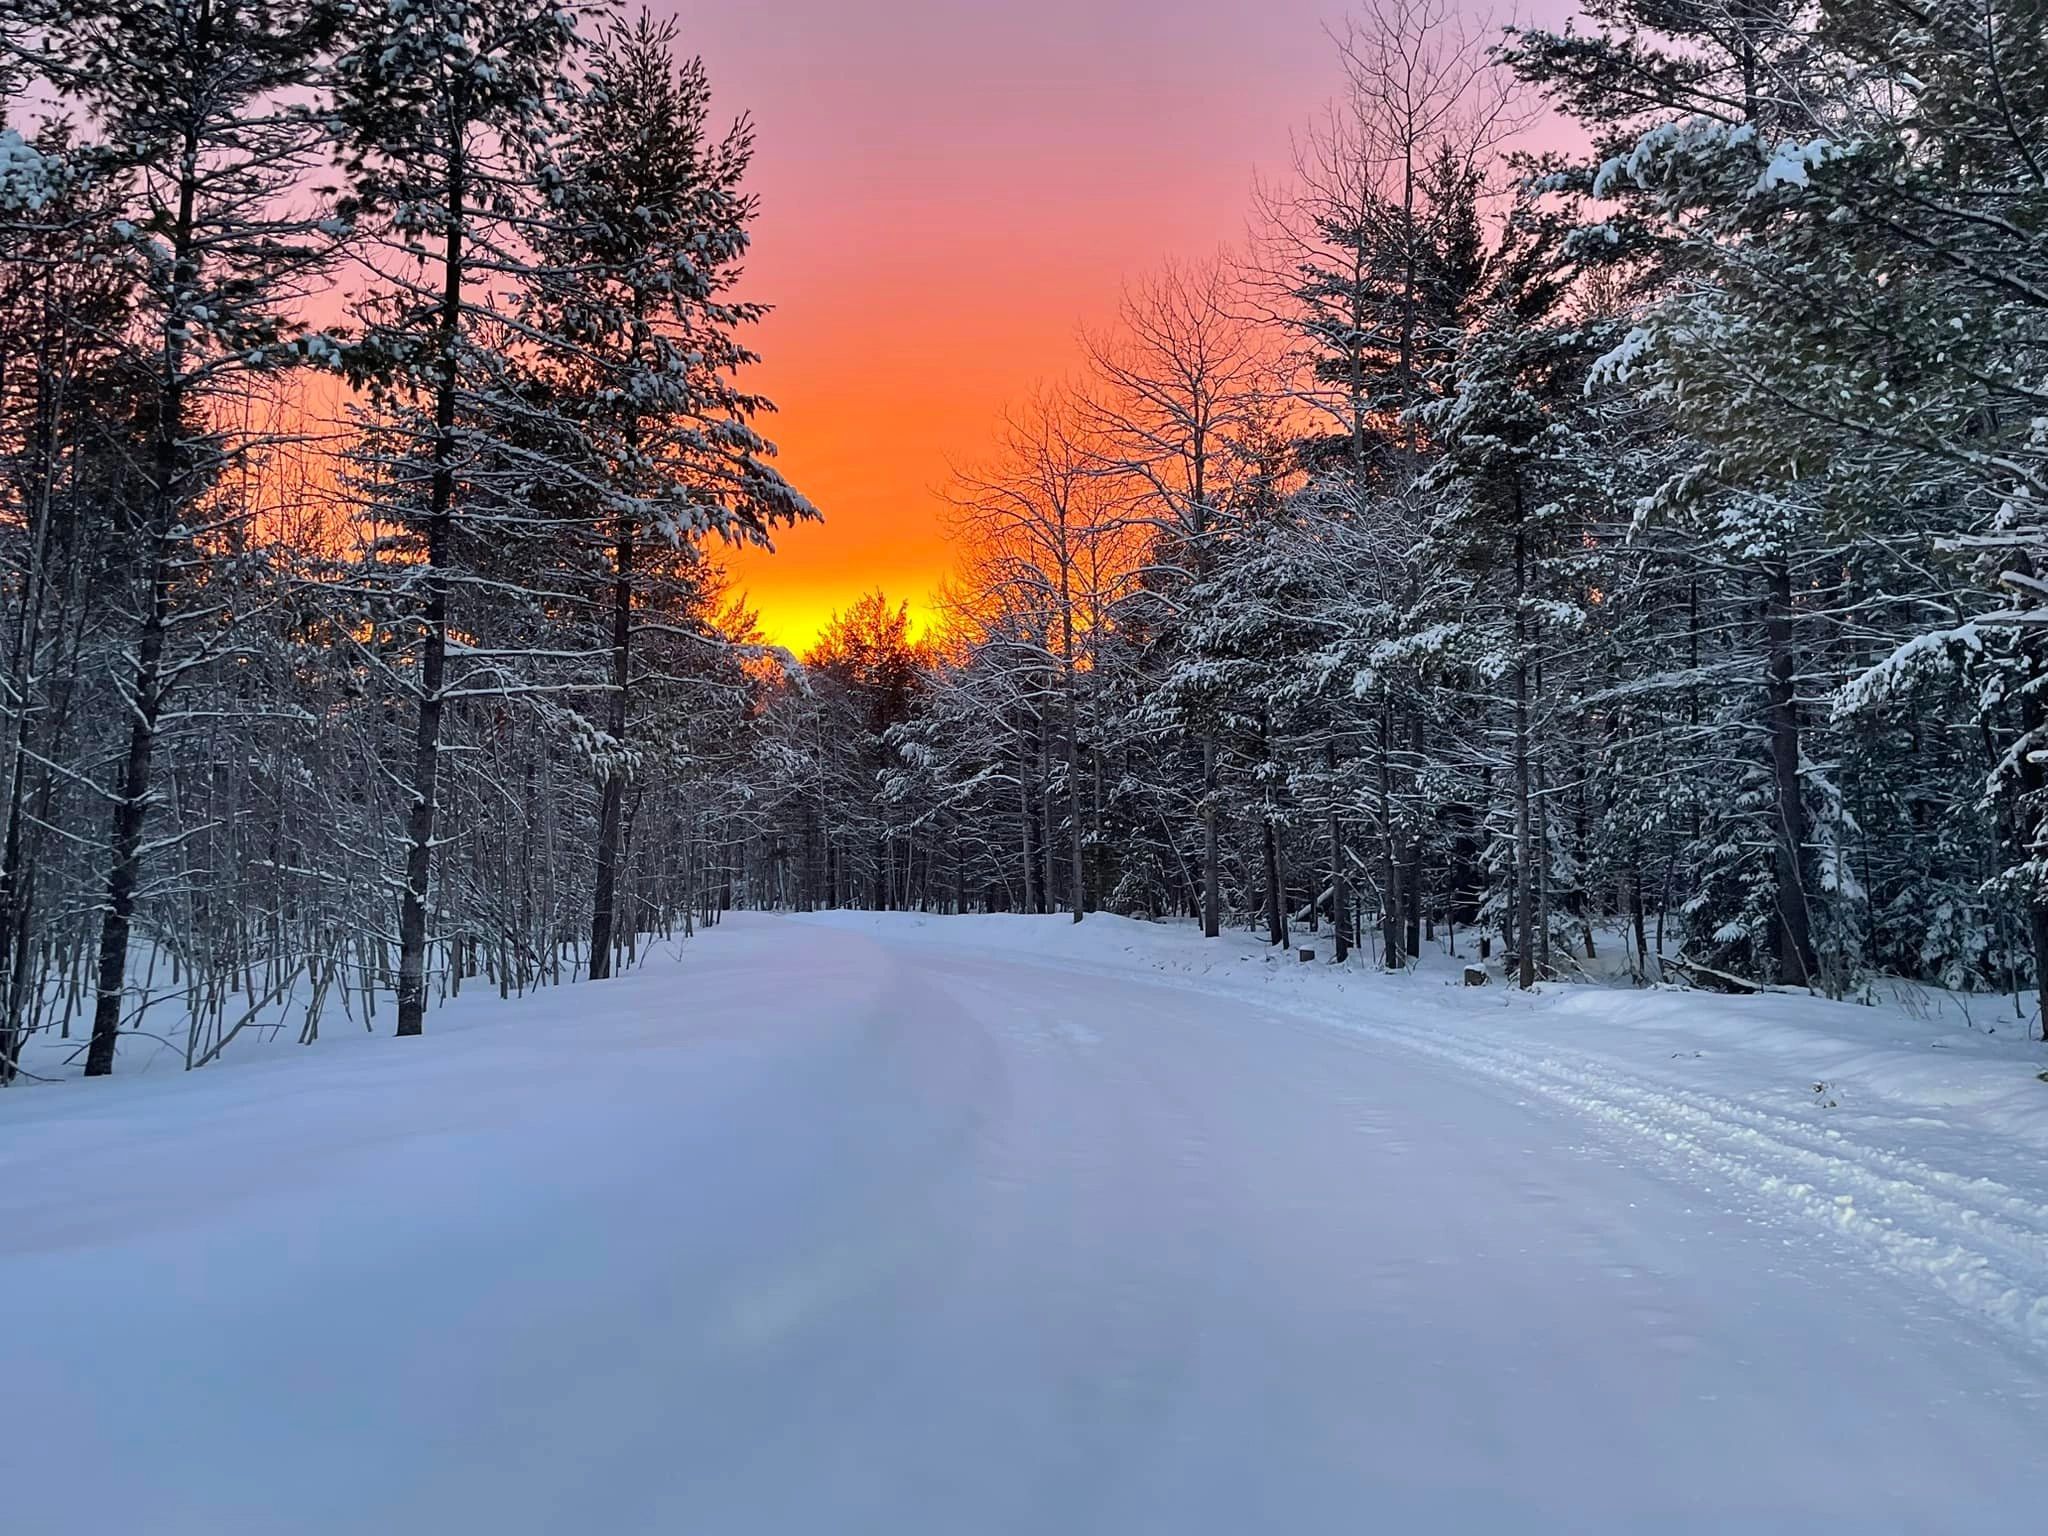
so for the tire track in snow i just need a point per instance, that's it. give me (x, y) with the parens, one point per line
(1917, 1221)
(1977, 1244)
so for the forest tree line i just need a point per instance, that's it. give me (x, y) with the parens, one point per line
(370, 380)
(1533, 551)
(1526, 552)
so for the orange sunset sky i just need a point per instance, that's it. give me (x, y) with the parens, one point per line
(948, 189)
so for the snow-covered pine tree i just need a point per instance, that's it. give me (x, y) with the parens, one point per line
(639, 266)
(1883, 316)
(1363, 265)
(1848, 347)
(200, 115)
(447, 109)
(1678, 101)
(1511, 470)
(65, 380)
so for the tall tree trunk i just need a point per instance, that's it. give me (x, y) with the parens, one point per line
(1411, 874)
(16, 883)
(1541, 850)
(1073, 750)
(612, 795)
(1337, 897)
(1212, 904)
(1525, 893)
(1048, 859)
(2025, 822)
(1098, 862)
(1276, 913)
(1024, 827)
(419, 852)
(131, 808)
(1390, 863)
(1635, 906)
(1525, 888)
(1793, 940)
(131, 812)
(1074, 810)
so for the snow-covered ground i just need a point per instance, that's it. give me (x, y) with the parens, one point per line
(863, 1223)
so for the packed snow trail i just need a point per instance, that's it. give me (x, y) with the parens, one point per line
(874, 1226)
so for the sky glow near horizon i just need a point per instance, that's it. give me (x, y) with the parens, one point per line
(948, 190)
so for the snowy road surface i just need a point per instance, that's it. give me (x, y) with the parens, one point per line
(880, 1227)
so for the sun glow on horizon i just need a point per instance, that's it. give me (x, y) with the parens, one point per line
(795, 618)
(947, 193)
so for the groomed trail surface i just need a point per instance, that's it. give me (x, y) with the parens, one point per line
(880, 1224)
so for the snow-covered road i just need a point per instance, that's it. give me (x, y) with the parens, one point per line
(876, 1226)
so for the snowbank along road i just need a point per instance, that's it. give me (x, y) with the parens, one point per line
(883, 1224)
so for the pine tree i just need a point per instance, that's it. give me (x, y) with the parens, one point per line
(1514, 465)
(640, 267)
(194, 102)
(1680, 102)
(447, 107)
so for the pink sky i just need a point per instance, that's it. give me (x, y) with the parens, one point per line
(948, 189)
